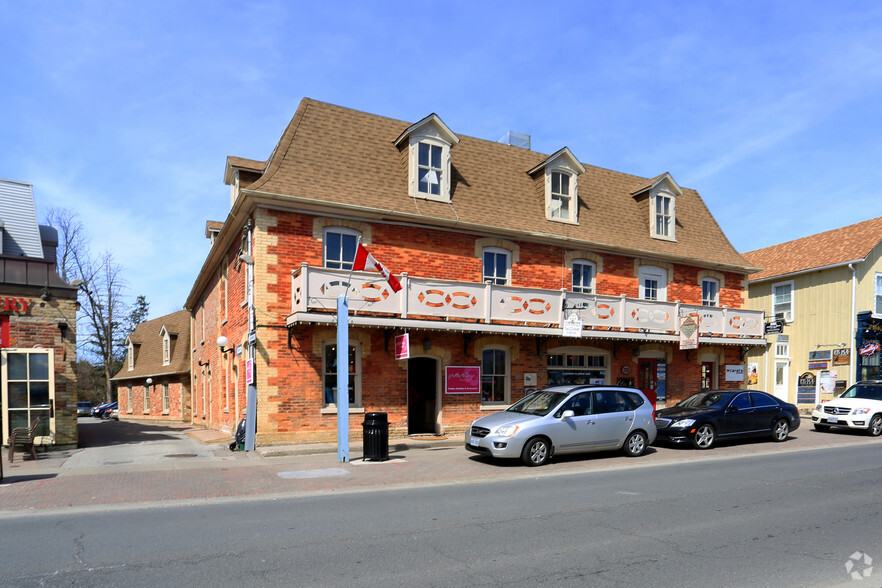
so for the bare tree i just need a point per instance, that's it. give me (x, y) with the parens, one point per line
(103, 308)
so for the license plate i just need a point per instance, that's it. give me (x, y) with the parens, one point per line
(832, 419)
(475, 442)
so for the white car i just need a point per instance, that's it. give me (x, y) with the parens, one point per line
(859, 407)
(566, 419)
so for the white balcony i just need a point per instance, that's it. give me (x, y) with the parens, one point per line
(475, 306)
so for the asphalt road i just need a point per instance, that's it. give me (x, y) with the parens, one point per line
(789, 519)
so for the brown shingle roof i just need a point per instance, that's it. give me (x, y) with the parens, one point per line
(836, 247)
(343, 156)
(148, 342)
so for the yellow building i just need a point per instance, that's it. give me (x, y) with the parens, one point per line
(822, 299)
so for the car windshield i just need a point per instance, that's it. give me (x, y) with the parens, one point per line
(703, 400)
(868, 391)
(540, 403)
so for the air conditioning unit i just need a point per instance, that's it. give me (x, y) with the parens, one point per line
(788, 316)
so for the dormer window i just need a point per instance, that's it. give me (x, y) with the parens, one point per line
(166, 347)
(429, 170)
(561, 199)
(663, 212)
(561, 186)
(662, 192)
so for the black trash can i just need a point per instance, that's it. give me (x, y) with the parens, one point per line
(376, 436)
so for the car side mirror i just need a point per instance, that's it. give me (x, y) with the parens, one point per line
(567, 414)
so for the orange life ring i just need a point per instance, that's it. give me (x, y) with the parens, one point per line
(542, 310)
(470, 302)
(606, 307)
(424, 298)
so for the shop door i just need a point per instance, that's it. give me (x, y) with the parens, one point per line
(28, 383)
(421, 395)
(707, 375)
(782, 377)
(647, 374)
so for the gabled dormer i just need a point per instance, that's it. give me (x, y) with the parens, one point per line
(132, 351)
(561, 179)
(661, 193)
(166, 345)
(428, 144)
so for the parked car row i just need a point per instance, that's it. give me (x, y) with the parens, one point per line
(106, 411)
(582, 419)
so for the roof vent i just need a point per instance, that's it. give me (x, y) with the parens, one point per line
(517, 139)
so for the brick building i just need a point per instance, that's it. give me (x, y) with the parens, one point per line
(518, 270)
(154, 381)
(38, 352)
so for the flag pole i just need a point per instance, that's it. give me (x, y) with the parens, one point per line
(342, 398)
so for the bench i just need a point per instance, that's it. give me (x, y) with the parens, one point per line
(23, 437)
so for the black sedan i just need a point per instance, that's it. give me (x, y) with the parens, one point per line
(707, 416)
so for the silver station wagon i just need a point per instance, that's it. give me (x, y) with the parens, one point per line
(566, 419)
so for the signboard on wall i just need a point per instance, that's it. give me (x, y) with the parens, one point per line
(805, 389)
(735, 373)
(689, 332)
(462, 379)
(841, 356)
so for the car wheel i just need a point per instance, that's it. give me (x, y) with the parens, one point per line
(875, 428)
(821, 428)
(536, 452)
(704, 437)
(635, 444)
(780, 430)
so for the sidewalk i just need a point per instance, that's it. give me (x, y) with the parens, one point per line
(51, 482)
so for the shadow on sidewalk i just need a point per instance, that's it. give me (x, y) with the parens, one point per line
(100, 433)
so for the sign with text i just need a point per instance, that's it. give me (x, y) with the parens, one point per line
(249, 371)
(11, 304)
(841, 356)
(572, 326)
(689, 332)
(402, 346)
(462, 379)
(735, 373)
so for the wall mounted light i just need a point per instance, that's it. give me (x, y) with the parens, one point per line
(222, 342)
(149, 381)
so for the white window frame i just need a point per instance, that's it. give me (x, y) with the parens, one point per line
(583, 288)
(506, 376)
(782, 349)
(555, 199)
(166, 347)
(166, 400)
(715, 301)
(663, 219)
(660, 275)
(496, 278)
(44, 411)
(129, 399)
(877, 307)
(443, 170)
(776, 310)
(341, 263)
(131, 356)
(146, 399)
(357, 376)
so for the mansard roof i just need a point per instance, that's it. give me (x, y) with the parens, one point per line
(344, 159)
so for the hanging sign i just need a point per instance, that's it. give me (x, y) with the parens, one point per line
(572, 326)
(869, 349)
(688, 332)
(249, 371)
(402, 346)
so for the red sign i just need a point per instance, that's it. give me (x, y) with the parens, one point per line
(10, 304)
(402, 346)
(463, 379)
(4, 332)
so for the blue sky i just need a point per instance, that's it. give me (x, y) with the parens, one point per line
(125, 112)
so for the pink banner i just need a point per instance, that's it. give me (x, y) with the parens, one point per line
(463, 380)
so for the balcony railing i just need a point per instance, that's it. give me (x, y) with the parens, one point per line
(317, 289)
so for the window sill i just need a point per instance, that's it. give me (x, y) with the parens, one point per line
(146, 412)
(500, 406)
(165, 413)
(333, 410)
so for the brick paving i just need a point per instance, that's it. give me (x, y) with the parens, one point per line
(51, 482)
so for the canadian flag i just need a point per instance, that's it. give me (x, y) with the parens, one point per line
(366, 261)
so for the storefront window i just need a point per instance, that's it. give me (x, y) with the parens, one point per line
(494, 376)
(28, 391)
(576, 369)
(330, 375)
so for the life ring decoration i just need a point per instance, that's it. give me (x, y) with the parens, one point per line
(536, 306)
(381, 290)
(438, 299)
(647, 315)
(604, 311)
(738, 322)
